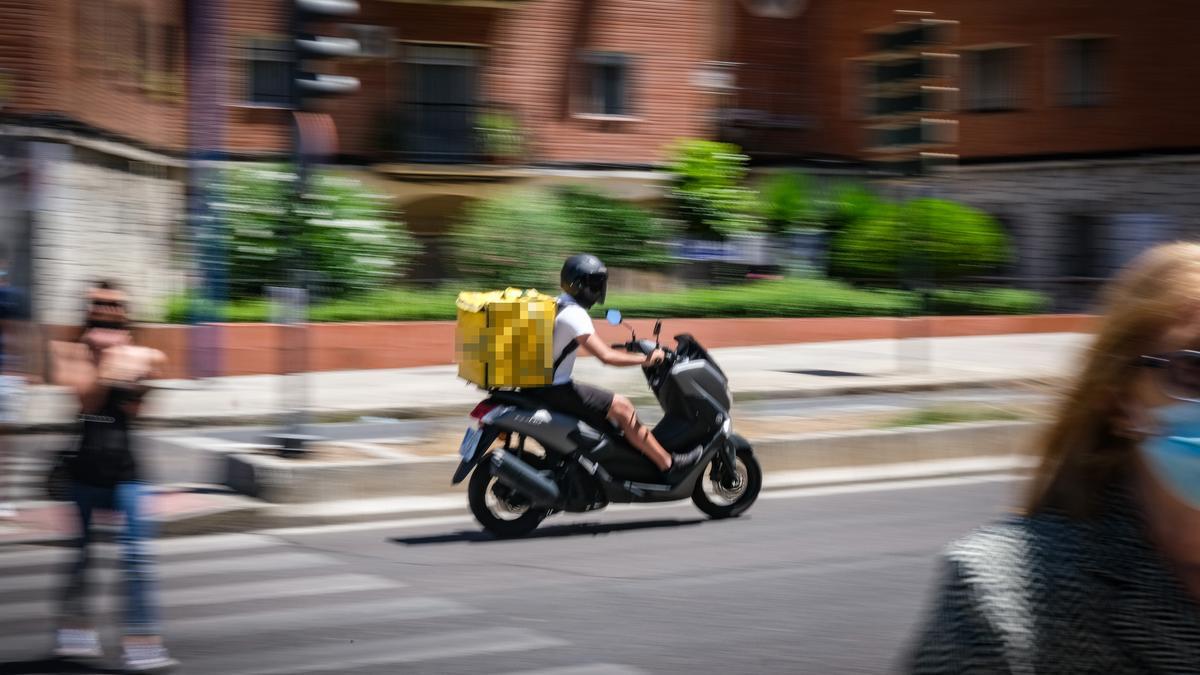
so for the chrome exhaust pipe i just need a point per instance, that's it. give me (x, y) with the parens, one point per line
(523, 478)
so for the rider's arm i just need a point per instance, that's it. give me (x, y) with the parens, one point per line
(592, 344)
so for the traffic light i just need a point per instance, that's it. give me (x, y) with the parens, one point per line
(910, 93)
(309, 46)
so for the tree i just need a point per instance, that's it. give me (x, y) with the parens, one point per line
(921, 238)
(707, 190)
(517, 240)
(790, 201)
(348, 236)
(621, 234)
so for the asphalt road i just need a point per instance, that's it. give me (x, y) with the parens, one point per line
(828, 580)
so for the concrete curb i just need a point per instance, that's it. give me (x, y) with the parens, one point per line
(462, 409)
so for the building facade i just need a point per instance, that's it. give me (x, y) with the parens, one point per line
(1075, 127)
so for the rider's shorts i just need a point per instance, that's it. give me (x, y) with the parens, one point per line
(588, 403)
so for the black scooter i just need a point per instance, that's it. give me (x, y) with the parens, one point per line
(576, 468)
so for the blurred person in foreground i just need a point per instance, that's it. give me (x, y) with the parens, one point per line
(108, 373)
(1102, 573)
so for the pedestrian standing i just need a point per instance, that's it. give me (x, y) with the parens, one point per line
(108, 373)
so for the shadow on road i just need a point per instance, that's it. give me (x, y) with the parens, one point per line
(52, 666)
(572, 530)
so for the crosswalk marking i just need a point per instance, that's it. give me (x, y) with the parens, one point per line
(308, 619)
(346, 654)
(216, 594)
(189, 568)
(209, 543)
(413, 608)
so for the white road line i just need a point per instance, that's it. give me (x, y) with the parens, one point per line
(200, 629)
(346, 654)
(796, 493)
(593, 669)
(888, 486)
(190, 568)
(217, 594)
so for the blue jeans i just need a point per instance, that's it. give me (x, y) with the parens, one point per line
(137, 560)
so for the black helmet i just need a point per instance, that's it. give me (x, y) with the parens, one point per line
(584, 278)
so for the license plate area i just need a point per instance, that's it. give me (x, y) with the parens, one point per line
(470, 442)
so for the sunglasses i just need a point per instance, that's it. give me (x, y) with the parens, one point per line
(1181, 373)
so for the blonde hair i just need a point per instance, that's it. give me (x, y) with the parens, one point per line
(1084, 452)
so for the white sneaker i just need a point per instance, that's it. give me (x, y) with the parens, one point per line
(148, 659)
(78, 643)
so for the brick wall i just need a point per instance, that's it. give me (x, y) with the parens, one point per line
(1150, 106)
(81, 60)
(525, 51)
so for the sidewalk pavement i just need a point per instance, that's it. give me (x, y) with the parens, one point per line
(781, 371)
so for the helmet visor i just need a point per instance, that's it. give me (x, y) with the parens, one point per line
(596, 285)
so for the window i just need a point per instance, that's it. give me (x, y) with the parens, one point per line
(1083, 64)
(607, 84)
(991, 79)
(268, 73)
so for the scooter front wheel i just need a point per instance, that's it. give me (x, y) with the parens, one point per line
(720, 497)
(498, 508)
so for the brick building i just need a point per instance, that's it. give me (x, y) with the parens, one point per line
(1075, 117)
(1076, 126)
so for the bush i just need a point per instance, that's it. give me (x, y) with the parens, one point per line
(786, 298)
(620, 234)
(516, 240)
(708, 194)
(346, 235)
(928, 239)
(790, 201)
(987, 301)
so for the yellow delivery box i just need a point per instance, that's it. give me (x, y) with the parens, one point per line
(505, 338)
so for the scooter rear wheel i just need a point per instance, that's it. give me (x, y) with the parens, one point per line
(729, 500)
(497, 508)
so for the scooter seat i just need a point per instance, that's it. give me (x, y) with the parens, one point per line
(517, 399)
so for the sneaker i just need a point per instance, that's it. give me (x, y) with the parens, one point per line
(681, 464)
(78, 643)
(148, 659)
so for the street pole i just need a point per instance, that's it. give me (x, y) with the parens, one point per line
(313, 138)
(206, 106)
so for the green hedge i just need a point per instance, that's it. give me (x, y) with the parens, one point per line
(788, 298)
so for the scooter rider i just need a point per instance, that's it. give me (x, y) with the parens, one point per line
(584, 281)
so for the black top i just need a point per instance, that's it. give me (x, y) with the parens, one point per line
(1048, 594)
(105, 454)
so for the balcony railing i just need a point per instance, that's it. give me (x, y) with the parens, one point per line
(455, 133)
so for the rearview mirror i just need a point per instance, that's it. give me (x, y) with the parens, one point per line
(614, 317)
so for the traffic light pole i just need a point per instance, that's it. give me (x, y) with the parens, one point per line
(310, 141)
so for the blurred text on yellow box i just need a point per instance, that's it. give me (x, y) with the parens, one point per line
(505, 338)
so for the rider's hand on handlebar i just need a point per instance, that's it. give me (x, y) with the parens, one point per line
(656, 357)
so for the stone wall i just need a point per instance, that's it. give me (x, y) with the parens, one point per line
(100, 217)
(1074, 223)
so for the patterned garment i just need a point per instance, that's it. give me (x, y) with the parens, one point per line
(1051, 595)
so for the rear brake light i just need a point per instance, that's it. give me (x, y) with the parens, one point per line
(482, 410)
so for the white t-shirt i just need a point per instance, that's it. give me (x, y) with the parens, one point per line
(572, 321)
